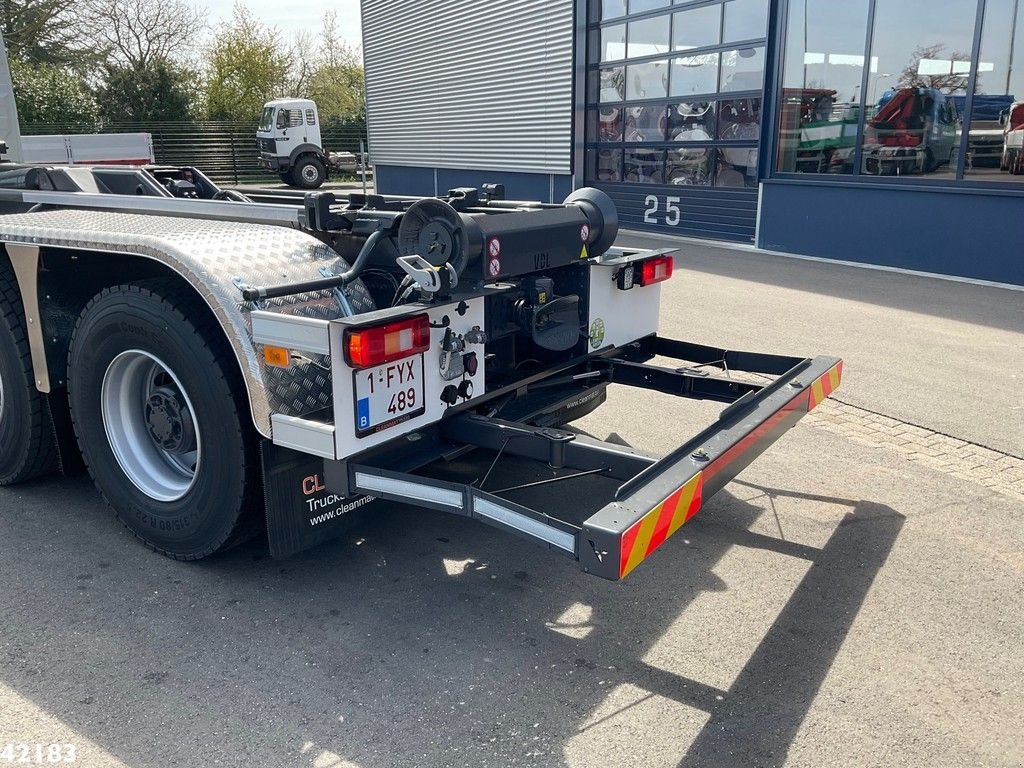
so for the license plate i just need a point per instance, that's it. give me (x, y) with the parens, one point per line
(388, 395)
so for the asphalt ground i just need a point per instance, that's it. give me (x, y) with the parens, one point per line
(838, 605)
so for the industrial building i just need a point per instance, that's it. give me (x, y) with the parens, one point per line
(876, 131)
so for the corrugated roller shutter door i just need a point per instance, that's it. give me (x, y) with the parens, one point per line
(484, 84)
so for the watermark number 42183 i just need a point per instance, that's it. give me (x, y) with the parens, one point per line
(37, 754)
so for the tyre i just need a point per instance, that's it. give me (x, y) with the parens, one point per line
(308, 172)
(163, 430)
(27, 447)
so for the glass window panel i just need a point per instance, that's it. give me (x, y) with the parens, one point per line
(919, 65)
(995, 144)
(604, 124)
(691, 121)
(736, 167)
(648, 37)
(689, 166)
(604, 165)
(644, 166)
(612, 84)
(612, 9)
(740, 120)
(613, 42)
(642, 6)
(694, 74)
(647, 81)
(822, 73)
(746, 20)
(648, 123)
(742, 70)
(696, 28)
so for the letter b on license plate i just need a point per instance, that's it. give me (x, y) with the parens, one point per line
(388, 394)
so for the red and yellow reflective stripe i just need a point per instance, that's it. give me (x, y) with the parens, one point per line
(654, 528)
(825, 386)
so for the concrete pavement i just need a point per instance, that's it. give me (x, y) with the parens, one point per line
(839, 604)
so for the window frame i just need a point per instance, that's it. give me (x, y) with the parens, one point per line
(592, 145)
(958, 181)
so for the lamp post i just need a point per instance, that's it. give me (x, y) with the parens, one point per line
(1013, 45)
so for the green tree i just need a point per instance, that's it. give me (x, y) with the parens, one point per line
(46, 32)
(46, 93)
(249, 65)
(157, 91)
(336, 81)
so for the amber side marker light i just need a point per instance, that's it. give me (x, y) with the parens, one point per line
(279, 357)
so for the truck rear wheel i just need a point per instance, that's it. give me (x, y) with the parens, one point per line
(308, 172)
(152, 393)
(27, 447)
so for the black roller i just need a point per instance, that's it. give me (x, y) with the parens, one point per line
(601, 214)
(432, 230)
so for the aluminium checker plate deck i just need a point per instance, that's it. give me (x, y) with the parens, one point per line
(214, 257)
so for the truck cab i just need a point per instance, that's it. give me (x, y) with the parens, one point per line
(289, 142)
(914, 131)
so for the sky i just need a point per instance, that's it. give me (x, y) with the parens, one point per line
(292, 17)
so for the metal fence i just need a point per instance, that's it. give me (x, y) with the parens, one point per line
(224, 151)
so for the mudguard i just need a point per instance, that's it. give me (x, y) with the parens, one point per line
(217, 258)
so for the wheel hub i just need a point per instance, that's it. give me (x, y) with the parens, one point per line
(169, 421)
(309, 173)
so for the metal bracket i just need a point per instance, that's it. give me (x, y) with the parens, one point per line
(427, 277)
(25, 260)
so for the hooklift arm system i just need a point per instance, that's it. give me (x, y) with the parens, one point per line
(368, 338)
(657, 496)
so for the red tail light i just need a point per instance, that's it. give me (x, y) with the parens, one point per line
(656, 270)
(375, 345)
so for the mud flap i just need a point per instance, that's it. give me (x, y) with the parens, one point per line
(301, 512)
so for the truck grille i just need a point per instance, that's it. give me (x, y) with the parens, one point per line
(267, 145)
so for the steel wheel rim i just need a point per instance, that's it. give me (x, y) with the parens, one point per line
(310, 173)
(157, 447)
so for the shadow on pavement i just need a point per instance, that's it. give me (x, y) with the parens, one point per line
(419, 639)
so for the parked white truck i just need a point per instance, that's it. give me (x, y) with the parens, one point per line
(290, 144)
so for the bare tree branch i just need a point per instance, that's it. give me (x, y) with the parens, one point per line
(139, 32)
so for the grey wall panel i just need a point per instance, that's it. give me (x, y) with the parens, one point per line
(470, 83)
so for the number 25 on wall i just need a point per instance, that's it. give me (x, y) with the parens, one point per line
(673, 213)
